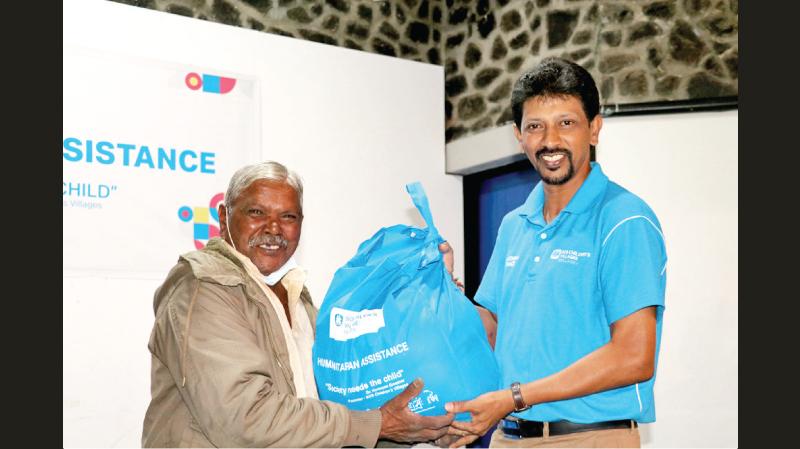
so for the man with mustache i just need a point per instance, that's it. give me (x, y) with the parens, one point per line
(576, 283)
(234, 327)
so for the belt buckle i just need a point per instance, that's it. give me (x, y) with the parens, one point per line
(510, 424)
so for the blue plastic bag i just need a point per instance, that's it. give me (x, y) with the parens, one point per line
(392, 314)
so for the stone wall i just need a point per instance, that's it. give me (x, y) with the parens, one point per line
(409, 29)
(637, 50)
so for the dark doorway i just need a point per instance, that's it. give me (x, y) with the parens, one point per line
(488, 196)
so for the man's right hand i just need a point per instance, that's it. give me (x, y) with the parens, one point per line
(400, 424)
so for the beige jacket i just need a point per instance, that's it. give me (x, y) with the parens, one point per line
(220, 371)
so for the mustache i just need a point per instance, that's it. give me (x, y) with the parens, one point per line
(544, 151)
(268, 239)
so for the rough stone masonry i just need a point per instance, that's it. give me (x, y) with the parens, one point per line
(637, 50)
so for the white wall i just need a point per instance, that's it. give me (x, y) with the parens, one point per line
(355, 125)
(686, 167)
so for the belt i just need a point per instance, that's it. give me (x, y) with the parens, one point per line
(516, 428)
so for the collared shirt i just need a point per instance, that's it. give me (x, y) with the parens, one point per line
(556, 288)
(299, 336)
(301, 330)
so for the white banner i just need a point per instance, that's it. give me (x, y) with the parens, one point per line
(356, 126)
(148, 149)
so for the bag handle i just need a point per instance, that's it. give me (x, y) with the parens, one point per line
(431, 252)
(420, 200)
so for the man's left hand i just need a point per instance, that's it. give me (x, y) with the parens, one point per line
(448, 439)
(486, 410)
(448, 256)
(449, 262)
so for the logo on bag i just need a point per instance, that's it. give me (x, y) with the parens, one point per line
(430, 396)
(511, 261)
(568, 255)
(425, 401)
(348, 324)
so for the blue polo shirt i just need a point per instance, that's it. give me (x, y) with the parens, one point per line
(557, 287)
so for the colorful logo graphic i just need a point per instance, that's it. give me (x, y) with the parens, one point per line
(203, 229)
(210, 83)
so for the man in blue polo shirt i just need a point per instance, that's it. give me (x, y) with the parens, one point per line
(576, 283)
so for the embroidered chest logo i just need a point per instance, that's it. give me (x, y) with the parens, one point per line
(511, 261)
(569, 255)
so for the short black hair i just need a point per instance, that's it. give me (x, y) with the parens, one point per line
(555, 77)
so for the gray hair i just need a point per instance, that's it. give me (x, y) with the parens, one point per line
(269, 170)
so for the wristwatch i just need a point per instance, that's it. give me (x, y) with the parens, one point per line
(516, 393)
